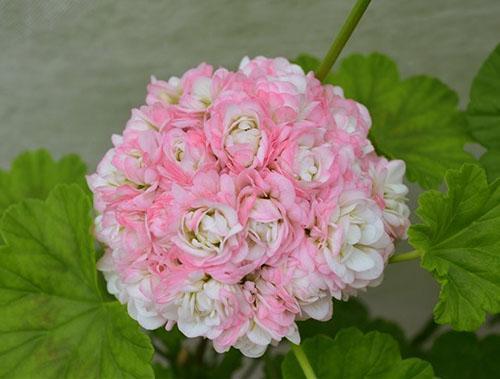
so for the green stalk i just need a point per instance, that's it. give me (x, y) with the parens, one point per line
(303, 362)
(427, 332)
(405, 257)
(344, 34)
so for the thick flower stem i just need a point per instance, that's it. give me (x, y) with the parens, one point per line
(344, 34)
(303, 362)
(405, 257)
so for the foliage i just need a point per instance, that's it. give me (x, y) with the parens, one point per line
(460, 243)
(35, 173)
(483, 112)
(353, 354)
(416, 119)
(56, 321)
(460, 355)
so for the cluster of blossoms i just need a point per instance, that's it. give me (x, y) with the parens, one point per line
(236, 203)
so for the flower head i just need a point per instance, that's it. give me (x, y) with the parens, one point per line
(236, 203)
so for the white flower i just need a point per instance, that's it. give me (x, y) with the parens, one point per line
(255, 342)
(312, 294)
(387, 177)
(201, 93)
(106, 173)
(313, 161)
(249, 348)
(244, 130)
(166, 92)
(312, 291)
(357, 242)
(277, 70)
(136, 293)
(266, 228)
(201, 307)
(205, 230)
(315, 302)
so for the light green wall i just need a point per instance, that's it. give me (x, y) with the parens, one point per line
(70, 70)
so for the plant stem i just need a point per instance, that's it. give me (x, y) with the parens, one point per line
(428, 330)
(303, 362)
(405, 257)
(200, 351)
(345, 32)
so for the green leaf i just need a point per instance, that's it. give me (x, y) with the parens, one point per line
(352, 313)
(35, 173)
(272, 365)
(391, 328)
(460, 355)
(371, 80)
(483, 112)
(231, 361)
(416, 119)
(163, 372)
(460, 242)
(355, 355)
(307, 62)
(54, 321)
(490, 161)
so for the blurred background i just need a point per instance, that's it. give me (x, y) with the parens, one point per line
(71, 70)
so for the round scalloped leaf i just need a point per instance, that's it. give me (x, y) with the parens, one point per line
(460, 241)
(55, 321)
(483, 112)
(35, 173)
(353, 355)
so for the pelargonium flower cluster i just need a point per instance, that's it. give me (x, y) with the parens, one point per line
(236, 203)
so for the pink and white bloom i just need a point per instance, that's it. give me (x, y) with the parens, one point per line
(390, 191)
(268, 208)
(312, 291)
(167, 92)
(239, 133)
(236, 203)
(308, 158)
(204, 307)
(273, 312)
(357, 245)
(185, 152)
(209, 229)
(135, 291)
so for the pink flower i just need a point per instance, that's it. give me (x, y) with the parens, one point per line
(390, 192)
(268, 208)
(308, 158)
(137, 155)
(166, 92)
(277, 69)
(274, 311)
(153, 117)
(236, 203)
(313, 291)
(356, 246)
(209, 229)
(205, 307)
(239, 133)
(185, 153)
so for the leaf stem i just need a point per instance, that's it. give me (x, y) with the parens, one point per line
(428, 331)
(345, 32)
(415, 254)
(303, 362)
